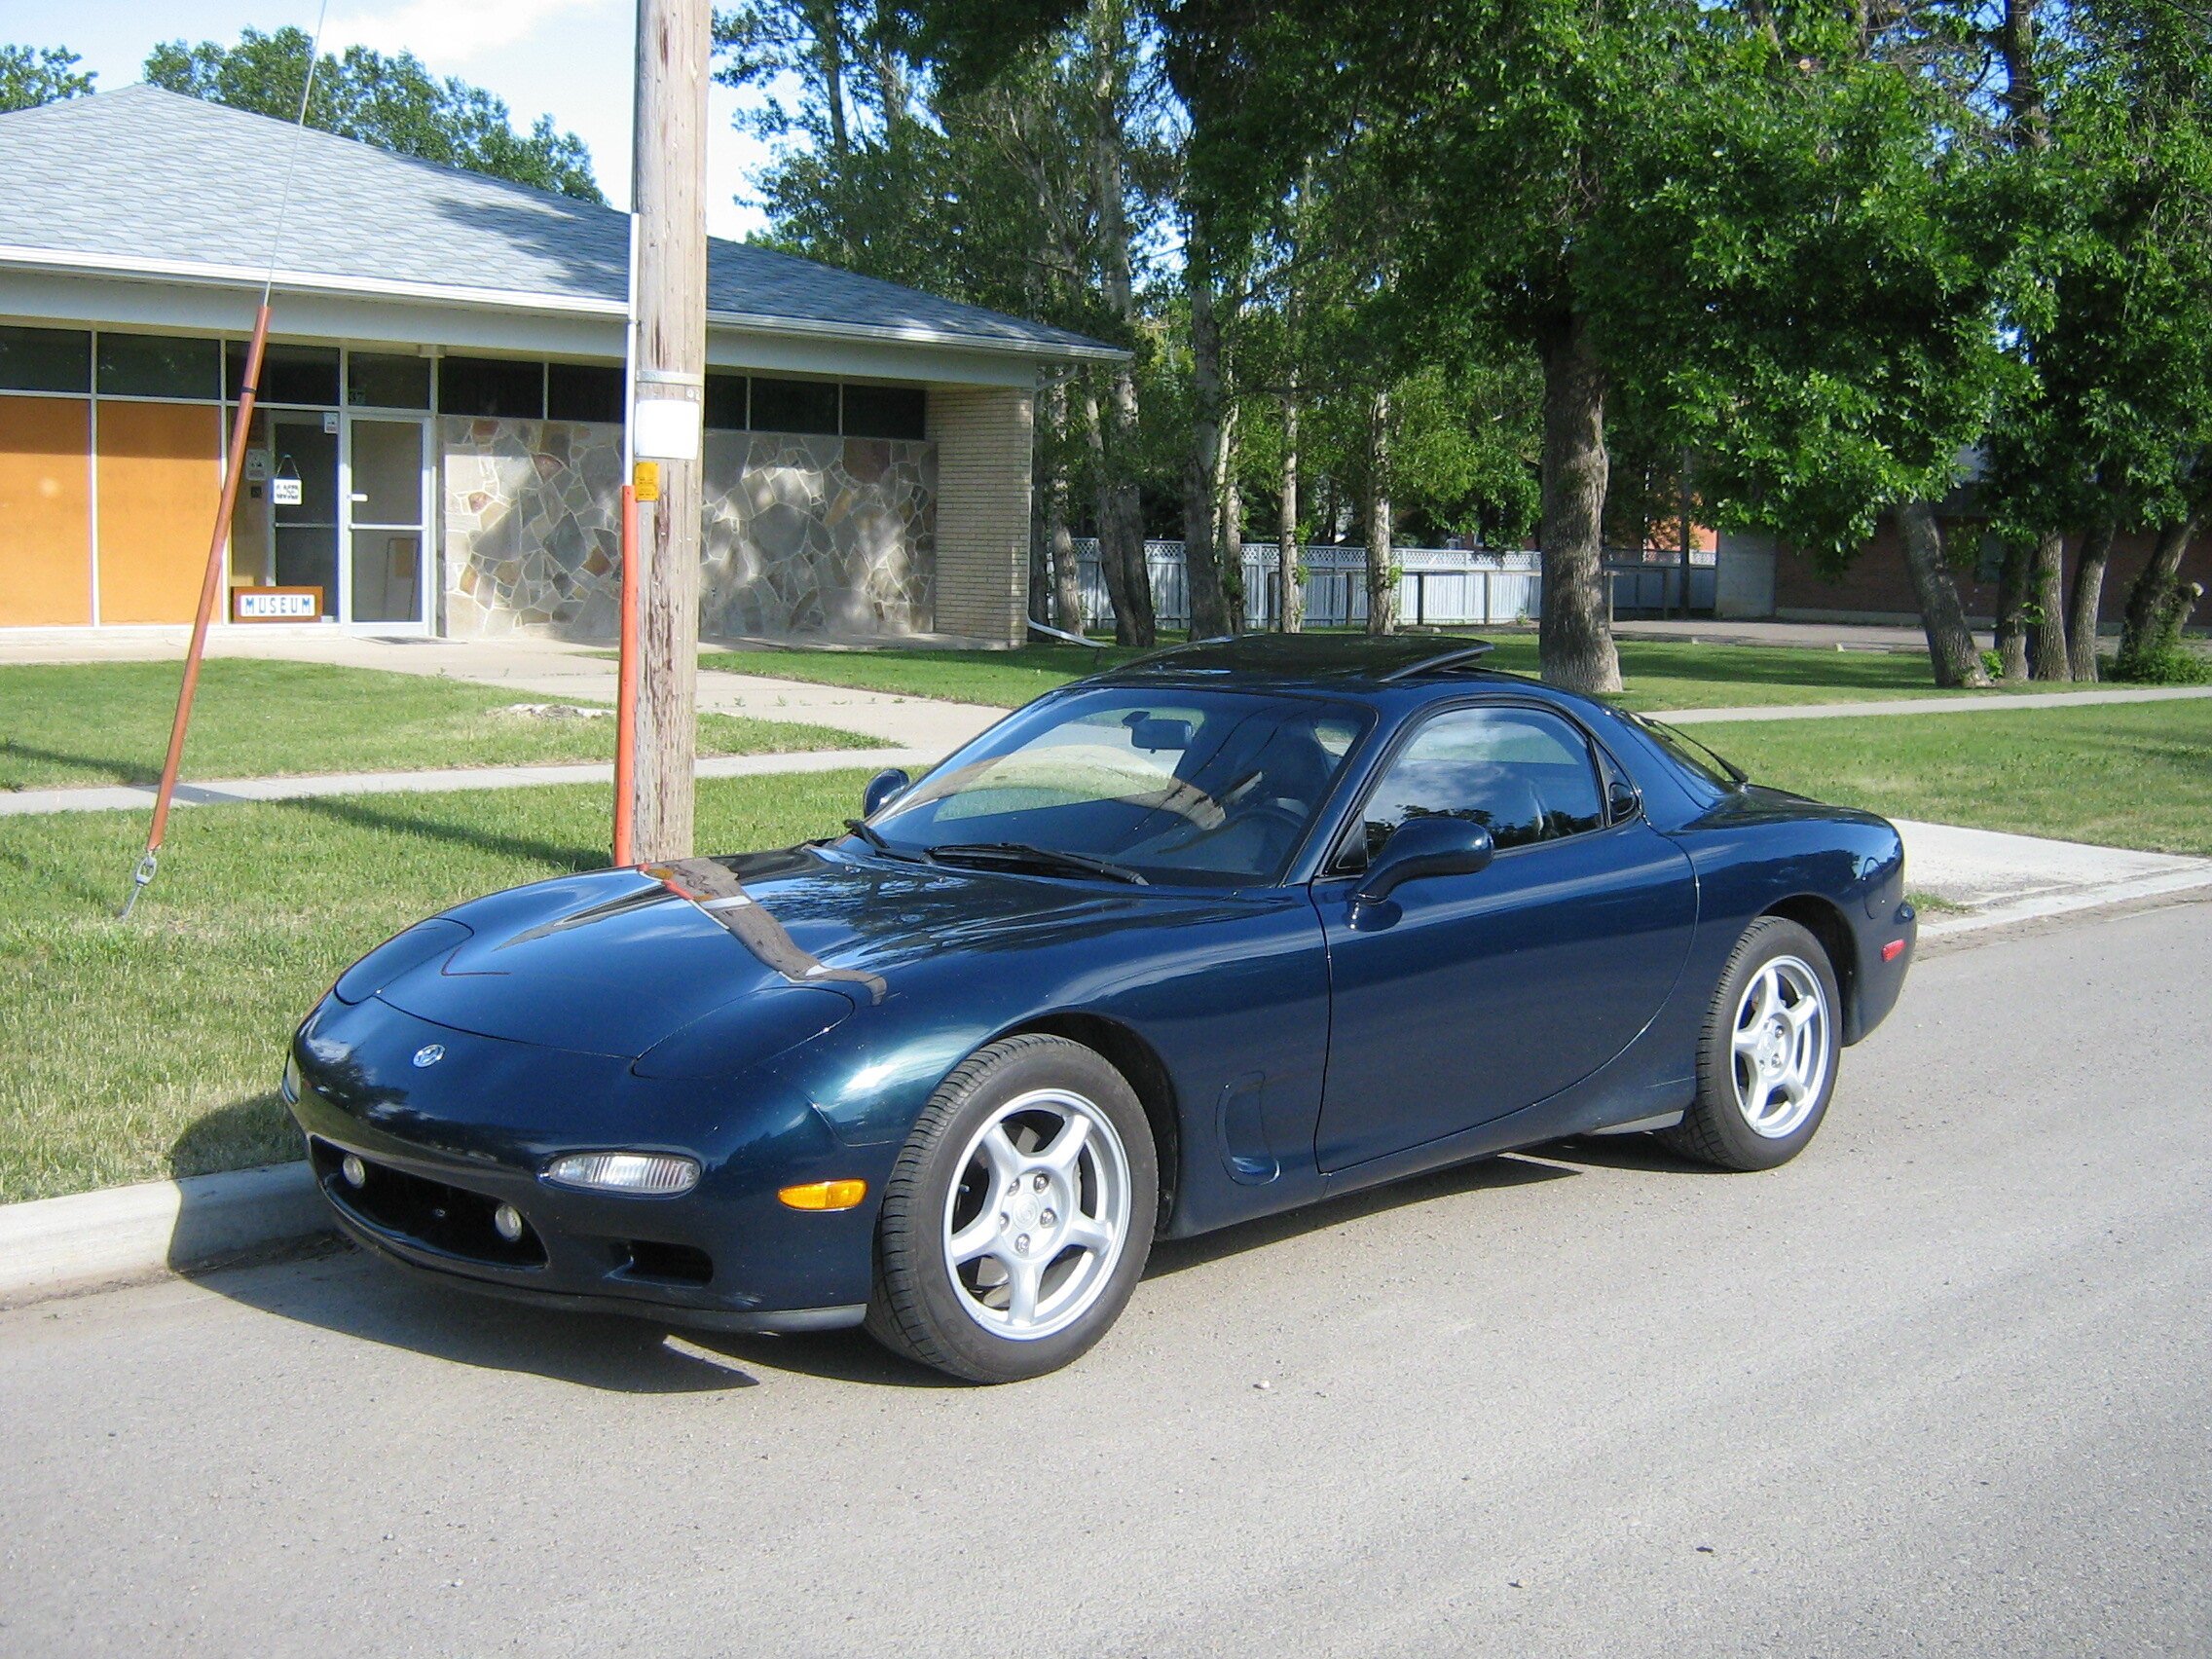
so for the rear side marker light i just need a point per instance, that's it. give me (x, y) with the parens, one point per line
(640, 1174)
(1892, 950)
(825, 1195)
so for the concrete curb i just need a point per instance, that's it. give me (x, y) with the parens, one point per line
(2045, 905)
(55, 1246)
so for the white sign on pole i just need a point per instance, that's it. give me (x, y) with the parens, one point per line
(666, 428)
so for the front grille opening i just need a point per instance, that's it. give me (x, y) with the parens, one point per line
(450, 1220)
(670, 1264)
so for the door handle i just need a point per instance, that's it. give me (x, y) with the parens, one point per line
(357, 496)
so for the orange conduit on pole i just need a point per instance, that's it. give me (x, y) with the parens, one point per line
(626, 692)
(209, 585)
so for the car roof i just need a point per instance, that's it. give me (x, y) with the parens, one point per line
(1340, 662)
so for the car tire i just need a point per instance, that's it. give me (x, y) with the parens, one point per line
(1005, 1248)
(1766, 1060)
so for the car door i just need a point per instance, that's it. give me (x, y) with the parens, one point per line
(1462, 998)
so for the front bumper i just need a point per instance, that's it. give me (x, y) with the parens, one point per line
(441, 1155)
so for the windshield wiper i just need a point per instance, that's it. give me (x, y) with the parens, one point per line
(1014, 854)
(861, 827)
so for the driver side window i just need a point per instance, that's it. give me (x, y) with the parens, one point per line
(1525, 775)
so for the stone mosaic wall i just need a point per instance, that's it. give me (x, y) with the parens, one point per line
(802, 534)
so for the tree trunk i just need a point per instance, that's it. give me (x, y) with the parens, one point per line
(1575, 632)
(1201, 460)
(1382, 583)
(1228, 536)
(1060, 545)
(1290, 618)
(2147, 594)
(1952, 654)
(1120, 513)
(1112, 568)
(2046, 637)
(2012, 611)
(2084, 606)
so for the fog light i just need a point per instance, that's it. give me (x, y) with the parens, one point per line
(642, 1175)
(507, 1220)
(825, 1195)
(356, 1172)
(289, 1084)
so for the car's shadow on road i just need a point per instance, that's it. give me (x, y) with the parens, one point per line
(342, 1291)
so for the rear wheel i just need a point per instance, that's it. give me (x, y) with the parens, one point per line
(1019, 1215)
(1767, 1060)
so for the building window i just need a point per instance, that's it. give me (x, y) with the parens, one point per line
(725, 404)
(304, 375)
(885, 411)
(805, 407)
(583, 391)
(46, 360)
(502, 386)
(376, 380)
(160, 365)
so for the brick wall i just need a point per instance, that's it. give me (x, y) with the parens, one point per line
(1878, 588)
(982, 441)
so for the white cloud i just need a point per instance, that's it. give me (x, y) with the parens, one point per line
(455, 31)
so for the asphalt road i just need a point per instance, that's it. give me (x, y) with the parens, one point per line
(1942, 1385)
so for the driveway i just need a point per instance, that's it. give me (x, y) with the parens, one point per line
(1942, 1386)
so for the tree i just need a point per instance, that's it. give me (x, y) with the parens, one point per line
(394, 103)
(30, 76)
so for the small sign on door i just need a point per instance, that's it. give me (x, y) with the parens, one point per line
(275, 603)
(284, 492)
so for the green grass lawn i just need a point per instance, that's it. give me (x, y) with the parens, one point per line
(1660, 674)
(2124, 775)
(150, 1047)
(82, 724)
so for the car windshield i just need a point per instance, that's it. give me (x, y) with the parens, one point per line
(1204, 787)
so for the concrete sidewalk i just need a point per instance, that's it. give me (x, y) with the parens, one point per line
(233, 792)
(548, 667)
(1978, 703)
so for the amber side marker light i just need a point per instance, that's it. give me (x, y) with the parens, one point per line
(825, 1195)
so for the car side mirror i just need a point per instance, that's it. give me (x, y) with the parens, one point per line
(882, 790)
(1423, 847)
(1622, 802)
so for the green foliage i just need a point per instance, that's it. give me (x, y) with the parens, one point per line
(2163, 663)
(32, 75)
(393, 102)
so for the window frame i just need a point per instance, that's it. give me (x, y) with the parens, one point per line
(1603, 767)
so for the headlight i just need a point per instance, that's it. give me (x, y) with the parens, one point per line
(640, 1174)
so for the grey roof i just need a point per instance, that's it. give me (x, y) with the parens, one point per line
(140, 175)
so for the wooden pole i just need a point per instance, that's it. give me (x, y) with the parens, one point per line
(670, 302)
(211, 584)
(626, 692)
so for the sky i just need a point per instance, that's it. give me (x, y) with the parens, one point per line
(568, 59)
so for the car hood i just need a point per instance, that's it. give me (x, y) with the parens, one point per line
(762, 950)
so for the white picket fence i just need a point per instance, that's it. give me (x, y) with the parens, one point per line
(1437, 586)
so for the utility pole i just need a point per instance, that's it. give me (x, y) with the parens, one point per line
(669, 300)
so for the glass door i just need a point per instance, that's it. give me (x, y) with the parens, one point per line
(388, 502)
(303, 516)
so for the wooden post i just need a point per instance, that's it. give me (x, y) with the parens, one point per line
(626, 692)
(668, 194)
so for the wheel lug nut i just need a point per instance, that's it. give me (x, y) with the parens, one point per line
(1039, 1183)
(1022, 1244)
(1047, 1218)
(1005, 1220)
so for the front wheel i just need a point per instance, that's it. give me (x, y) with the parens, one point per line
(1767, 1061)
(1019, 1215)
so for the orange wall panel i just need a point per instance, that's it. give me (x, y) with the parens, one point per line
(46, 519)
(160, 468)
